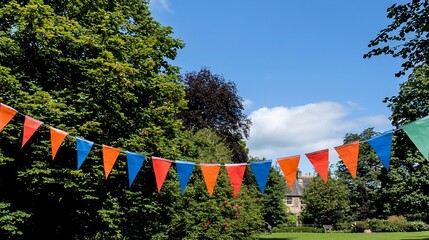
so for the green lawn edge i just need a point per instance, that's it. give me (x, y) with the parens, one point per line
(348, 236)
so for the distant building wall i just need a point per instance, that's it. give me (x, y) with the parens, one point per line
(294, 196)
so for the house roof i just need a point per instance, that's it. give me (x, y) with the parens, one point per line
(296, 190)
(298, 187)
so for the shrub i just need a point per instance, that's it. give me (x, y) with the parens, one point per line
(343, 226)
(359, 226)
(396, 225)
(417, 226)
(395, 218)
(285, 228)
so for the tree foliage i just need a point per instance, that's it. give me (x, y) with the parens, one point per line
(406, 186)
(215, 103)
(365, 188)
(195, 214)
(275, 210)
(325, 203)
(100, 70)
(95, 69)
(407, 36)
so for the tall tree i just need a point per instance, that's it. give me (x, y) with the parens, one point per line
(365, 188)
(406, 37)
(406, 186)
(325, 203)
(98, 70)
(213, 102)
(275, 210)
(195, 214)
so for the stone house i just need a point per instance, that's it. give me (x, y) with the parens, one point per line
(294, 196)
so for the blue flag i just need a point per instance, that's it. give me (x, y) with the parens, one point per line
(382, 145)
(184, 170)
(83, 148)
(134, 163)
(261, 169)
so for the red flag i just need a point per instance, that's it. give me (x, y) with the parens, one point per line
(320, 161)
(6, 114)
(57, 137)
(110, 155)
(289, 166)
(236, 173)
(30, 127)
(160, 167)
(349, 153)
(210, 174)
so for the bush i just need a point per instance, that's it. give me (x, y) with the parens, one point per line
(359, 226)
(395, 218)
(396, 225)
(378, 225)
(286, 228)
(343, 226)
(417, 226)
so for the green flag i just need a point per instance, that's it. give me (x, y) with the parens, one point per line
(418, 132)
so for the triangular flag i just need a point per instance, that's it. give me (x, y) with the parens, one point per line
(320, 161)
(210, 174)
(418, 132)
(30, 127)
(134, 163)
(289, 167)
(236, 173)
(57, 137)
(110, 154)
(382, 146)
(160, 167)
(83, 147)
(6, 114)
(184, 171)
(261, 170)
(349, 153)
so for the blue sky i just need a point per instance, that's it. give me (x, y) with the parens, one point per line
(297, 64)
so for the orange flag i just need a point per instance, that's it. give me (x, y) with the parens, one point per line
(57, 137)
(210, 174)
(236, 173)
(320, 161)
(6, 114)
(289, 166)
(110, 154)
(160, 167)
(349, 153)
(30, 127)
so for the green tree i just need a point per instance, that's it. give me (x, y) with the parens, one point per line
(98, 70)
(365, 188)
(213, 102)
(407, 36)
(275, 209)
(195, 214)
(325, 203)
(405, 189)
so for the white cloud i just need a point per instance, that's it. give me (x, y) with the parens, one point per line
(286, 131)
(355, 105)
(162, 5)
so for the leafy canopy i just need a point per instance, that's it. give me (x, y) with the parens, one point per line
(407, 36)
(213, 102)
(98, 70)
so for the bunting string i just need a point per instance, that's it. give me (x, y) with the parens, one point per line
(417, 131)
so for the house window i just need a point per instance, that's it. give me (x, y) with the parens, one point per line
(289, 200)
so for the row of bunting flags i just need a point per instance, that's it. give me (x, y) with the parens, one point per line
(381, 144)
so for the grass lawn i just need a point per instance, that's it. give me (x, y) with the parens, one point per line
(349, 236)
